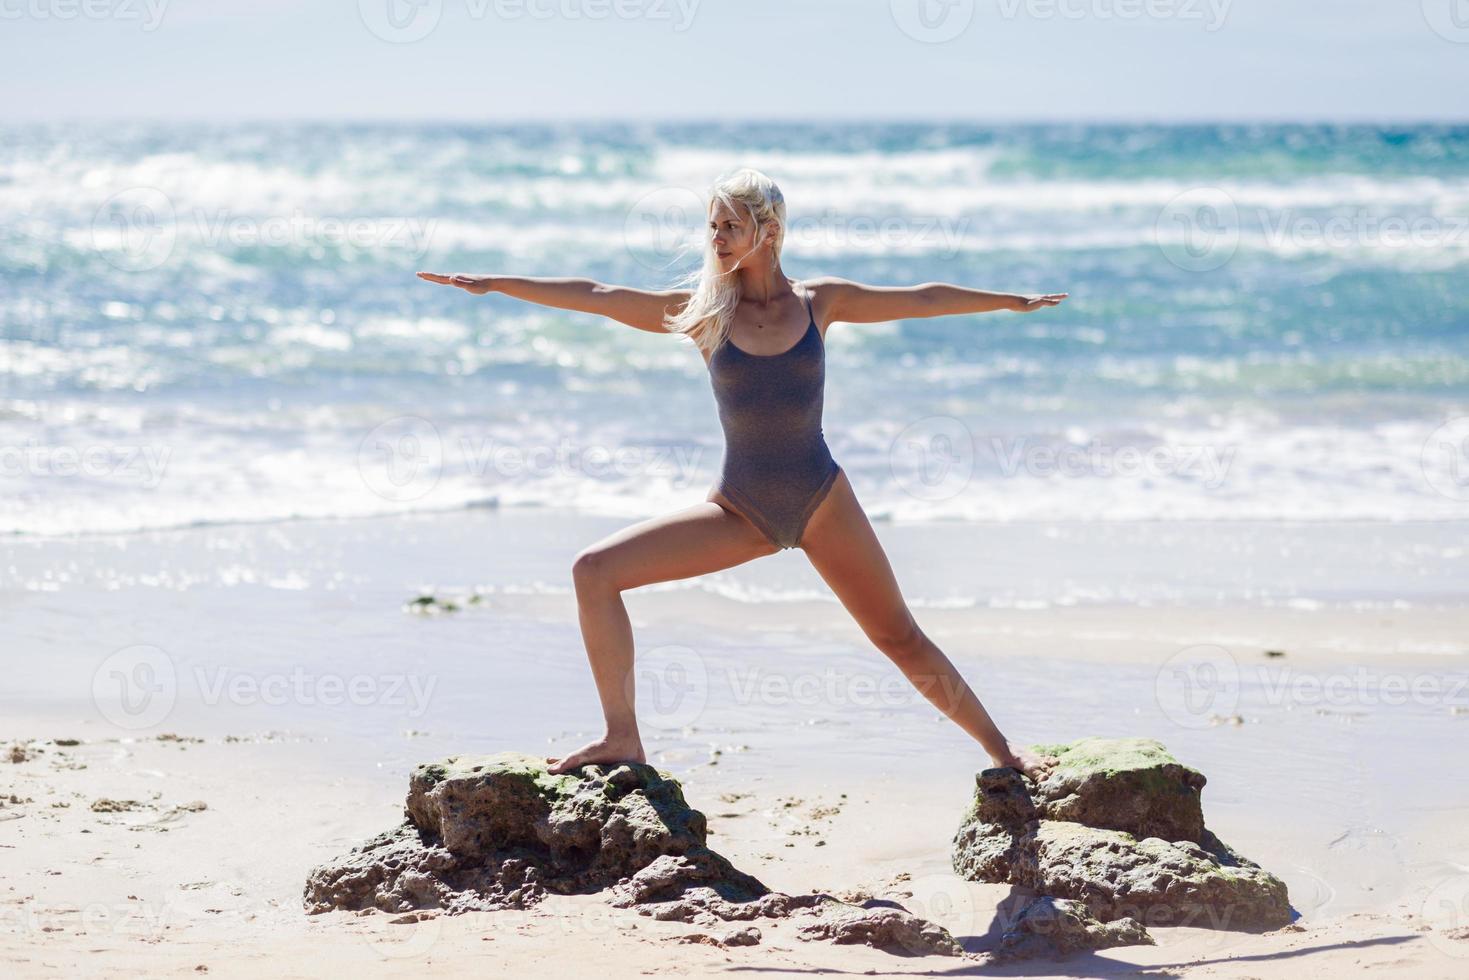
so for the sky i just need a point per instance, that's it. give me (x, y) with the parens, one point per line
(491, 60)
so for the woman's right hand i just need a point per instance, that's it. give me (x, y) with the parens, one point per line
(478, 285)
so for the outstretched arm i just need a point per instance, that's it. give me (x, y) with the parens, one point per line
(855, 302)
(641, 308)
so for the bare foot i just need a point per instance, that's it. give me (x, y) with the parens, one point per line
(1036, 766)
(605, 749)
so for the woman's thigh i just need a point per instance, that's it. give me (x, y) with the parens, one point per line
(695, 540)
(844, 550)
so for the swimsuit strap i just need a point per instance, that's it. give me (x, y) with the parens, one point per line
(809, 312)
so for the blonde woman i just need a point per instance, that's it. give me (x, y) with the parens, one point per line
(762, 337)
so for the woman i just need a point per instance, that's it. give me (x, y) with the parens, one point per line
(762, 337)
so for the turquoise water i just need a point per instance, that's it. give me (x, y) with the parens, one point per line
(215, 324)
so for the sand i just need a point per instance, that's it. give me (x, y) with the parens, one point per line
(177, 842)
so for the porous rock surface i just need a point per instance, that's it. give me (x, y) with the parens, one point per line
(1058, 927)
(497, 832)
(1118, 827)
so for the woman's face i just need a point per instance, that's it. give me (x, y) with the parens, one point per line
(732, 236)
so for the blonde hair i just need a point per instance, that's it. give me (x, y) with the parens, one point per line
(706, 317)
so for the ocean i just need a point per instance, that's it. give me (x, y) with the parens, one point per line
(213, 324)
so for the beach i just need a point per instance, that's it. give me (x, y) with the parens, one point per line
(197, 717)
(281, 522)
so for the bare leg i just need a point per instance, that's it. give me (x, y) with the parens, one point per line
(843, 548)
(696, 540)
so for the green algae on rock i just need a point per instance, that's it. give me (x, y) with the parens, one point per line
(1128, 784)
(498, 832)
(1118, 826)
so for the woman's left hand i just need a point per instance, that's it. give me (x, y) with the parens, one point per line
(1026, 304)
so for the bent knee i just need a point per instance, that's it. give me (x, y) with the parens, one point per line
(588, 567)
(899, 640)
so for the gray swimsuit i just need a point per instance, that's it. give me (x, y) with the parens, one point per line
(776, 466)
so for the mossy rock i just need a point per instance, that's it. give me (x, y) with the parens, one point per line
(1129, 784)
(500, 830)
(1119, 826)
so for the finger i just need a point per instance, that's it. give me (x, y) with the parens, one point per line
(434, 277)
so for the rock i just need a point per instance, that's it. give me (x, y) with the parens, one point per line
(1090, 832)
(883, 927)
(1057, 927)
(499, 832)
(1128, 784)
(748, 936)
